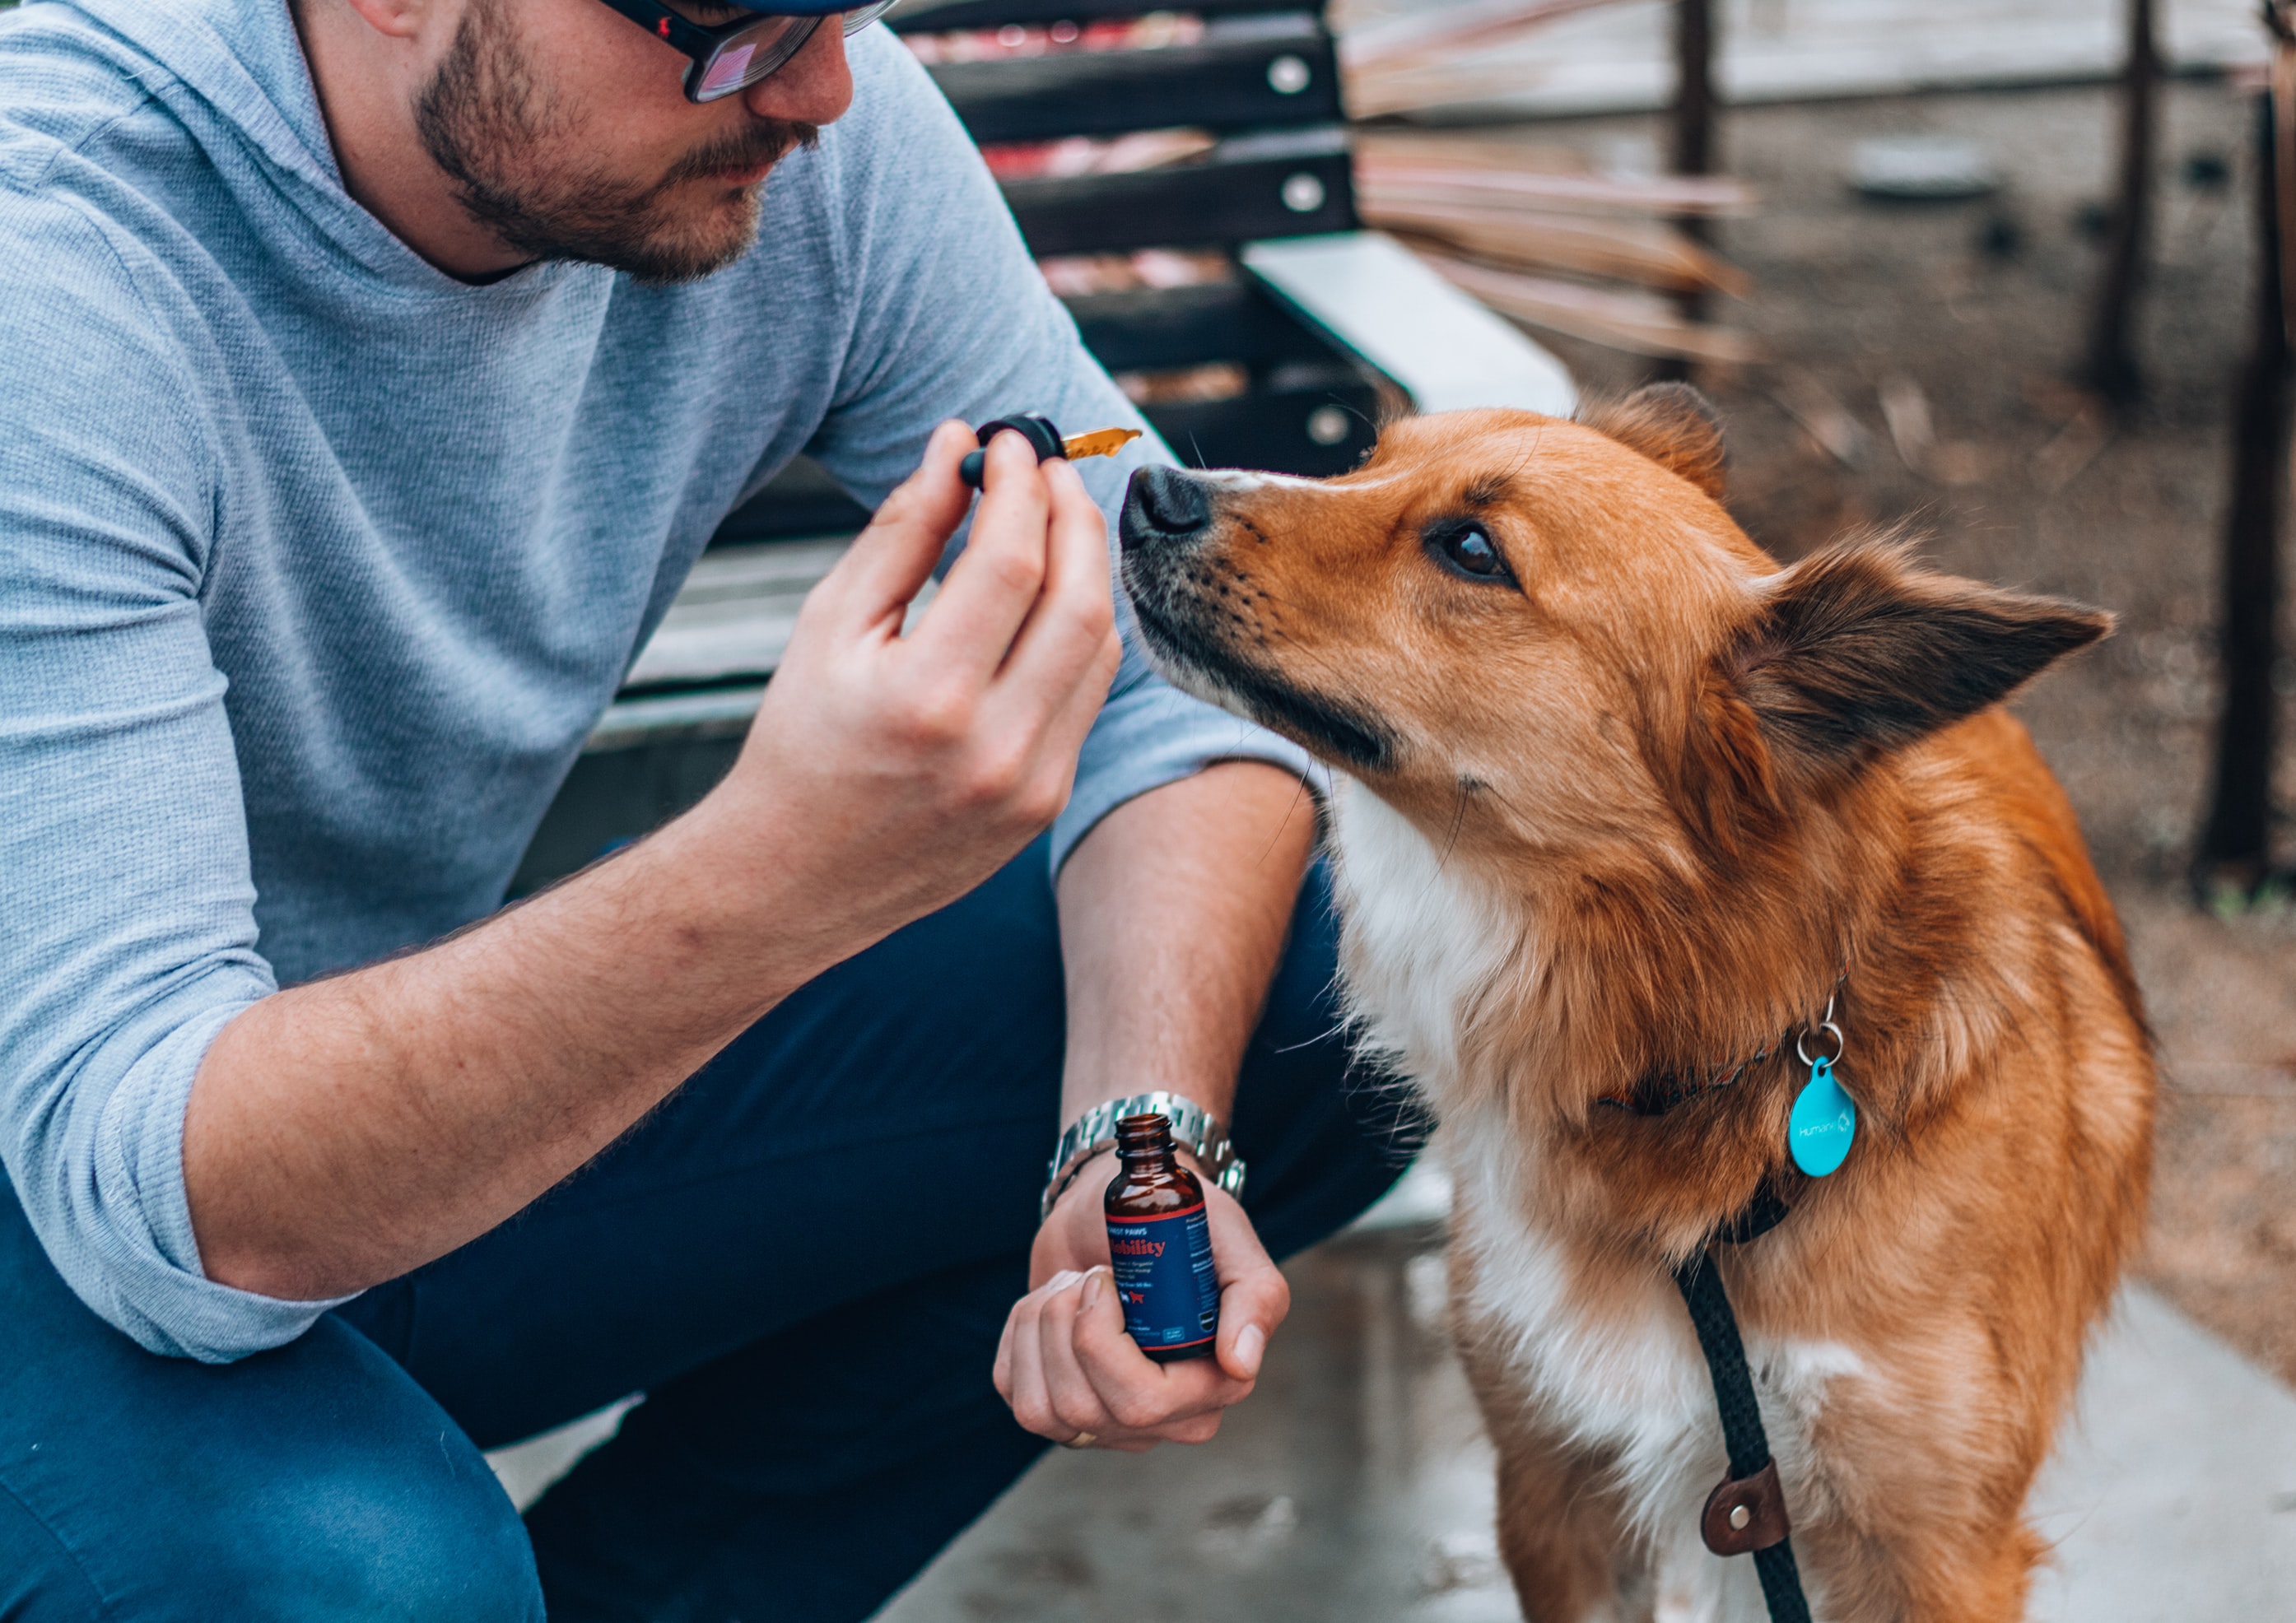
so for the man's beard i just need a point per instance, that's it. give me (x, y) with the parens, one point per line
(486, 122)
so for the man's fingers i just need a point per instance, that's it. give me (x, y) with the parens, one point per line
(1031, 1404)
(1255, 1298)
(890, 562)
(1074, 622)
(1141, 1394)
(1037, 1368)
(1195, 1430)
(995, 583)
(1068, 652)
(1064, 1354)
(1000, 1374)
(1251, 1309)
(1071, 1394)
(1064, 734)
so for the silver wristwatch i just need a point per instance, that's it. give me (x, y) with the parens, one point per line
(1194, 1129)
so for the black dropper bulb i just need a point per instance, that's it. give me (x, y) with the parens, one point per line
(1038, 431)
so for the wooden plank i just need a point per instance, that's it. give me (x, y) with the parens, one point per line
(1151, 329)
(1617, 58)
(1641, 251)
(1446, 351)
(1317, 422)
(733, 616)
(1257, 72)
(1435, 178)
(1248, 188)
(922, 17)
(1643, 323)
(802, 501)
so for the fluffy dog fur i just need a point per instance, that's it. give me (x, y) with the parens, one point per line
(1631, 802)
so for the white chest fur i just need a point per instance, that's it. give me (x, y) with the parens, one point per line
(1421, 948)
(1424, 953)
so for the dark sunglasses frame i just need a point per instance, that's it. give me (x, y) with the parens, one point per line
(706, 46)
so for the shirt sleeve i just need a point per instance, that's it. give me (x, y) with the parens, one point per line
(949, 317)
(129, 939)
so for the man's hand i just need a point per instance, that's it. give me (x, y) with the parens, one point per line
(342, 1132)
(1173, 914)
(1068, 1370)
(913, 767)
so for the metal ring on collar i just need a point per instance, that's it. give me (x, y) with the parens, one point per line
(1801, 1043)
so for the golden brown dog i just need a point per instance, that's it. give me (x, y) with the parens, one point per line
(1622, 805)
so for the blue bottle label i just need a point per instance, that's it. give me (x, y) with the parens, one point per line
(1164, 1277)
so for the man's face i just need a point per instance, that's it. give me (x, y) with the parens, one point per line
(567, 135)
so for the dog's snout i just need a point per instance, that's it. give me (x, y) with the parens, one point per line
(1164, 504)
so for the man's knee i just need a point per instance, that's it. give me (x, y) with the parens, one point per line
(316, 1481)
(373, 1539)
(352, 1536)
(362, 1501)
(339, 1540)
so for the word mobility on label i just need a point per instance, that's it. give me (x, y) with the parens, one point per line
(1164, 1277)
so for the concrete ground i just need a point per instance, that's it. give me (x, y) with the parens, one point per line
(1355, 1487)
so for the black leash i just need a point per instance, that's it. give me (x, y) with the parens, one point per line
(1747, 1513)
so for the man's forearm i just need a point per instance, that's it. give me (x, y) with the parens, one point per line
(1173, 914)
(343, 1132)
(432, 1095)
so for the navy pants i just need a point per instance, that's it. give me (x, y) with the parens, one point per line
(804, 1259)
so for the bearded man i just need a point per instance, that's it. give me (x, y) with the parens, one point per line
(371, 373)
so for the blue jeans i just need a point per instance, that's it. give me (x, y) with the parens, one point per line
(804, 1259)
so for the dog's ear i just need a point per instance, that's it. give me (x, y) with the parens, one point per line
(1671, 423)
(1854, 651)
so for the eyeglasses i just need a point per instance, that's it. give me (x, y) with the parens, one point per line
(733, 56)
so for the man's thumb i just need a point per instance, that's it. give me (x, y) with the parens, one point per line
(1241, 1355)
(892, 559)
(1251, 1309)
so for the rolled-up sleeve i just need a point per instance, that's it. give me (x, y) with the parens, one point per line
(950, 318)
(129, 937)
(1149, 735)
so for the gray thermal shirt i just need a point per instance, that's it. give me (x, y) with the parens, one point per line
(317, 566)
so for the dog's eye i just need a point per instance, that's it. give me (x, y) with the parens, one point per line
(1467, 549)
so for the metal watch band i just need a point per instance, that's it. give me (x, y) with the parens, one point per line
(1194, 1129)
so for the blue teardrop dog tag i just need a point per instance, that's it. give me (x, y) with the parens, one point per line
(1824, 1122)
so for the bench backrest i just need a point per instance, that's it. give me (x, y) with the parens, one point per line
(1260, 79)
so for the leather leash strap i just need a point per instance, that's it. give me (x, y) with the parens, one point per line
(1748, 1511)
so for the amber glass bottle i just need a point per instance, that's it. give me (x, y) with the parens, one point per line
(1160, 1244)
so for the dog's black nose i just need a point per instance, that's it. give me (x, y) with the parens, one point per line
(1163, 505)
